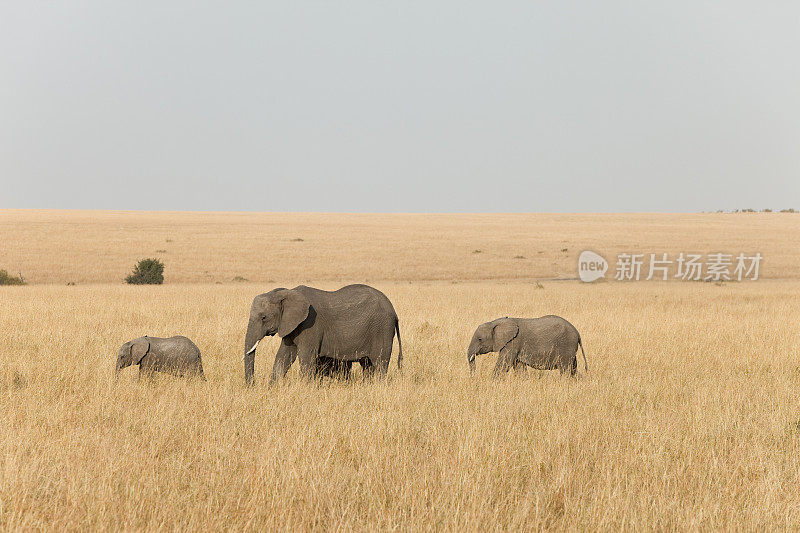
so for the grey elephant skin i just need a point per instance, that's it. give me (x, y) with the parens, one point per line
(177, 355)
(325, 330)
(546, 343)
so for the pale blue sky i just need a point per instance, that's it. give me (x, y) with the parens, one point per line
(400, 106)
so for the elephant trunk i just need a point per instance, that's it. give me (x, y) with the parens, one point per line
(471, 360)
(251, 339)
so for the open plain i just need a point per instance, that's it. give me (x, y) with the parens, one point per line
(687, 419)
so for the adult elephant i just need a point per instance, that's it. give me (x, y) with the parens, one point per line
(354, 323)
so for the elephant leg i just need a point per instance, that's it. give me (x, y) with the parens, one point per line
(332, 368)
(341, 369)
(520, 368)
(367, 368)
(146, 368)
(307, 357)
(345, 368)
(323, 368)
(381, 356)
(283, 360)
(569, 365)
(505, 361)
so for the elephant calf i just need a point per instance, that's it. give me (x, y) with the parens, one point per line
(545, 343)
(176, 355)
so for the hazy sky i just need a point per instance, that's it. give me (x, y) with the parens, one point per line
(400, 106)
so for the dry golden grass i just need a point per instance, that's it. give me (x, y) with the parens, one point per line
(101, 246)
(687, 419)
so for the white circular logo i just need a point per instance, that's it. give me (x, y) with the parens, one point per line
(591, 266)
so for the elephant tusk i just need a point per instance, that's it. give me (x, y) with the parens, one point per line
(253, 349)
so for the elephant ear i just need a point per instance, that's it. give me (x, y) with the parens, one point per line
(294, 309)
(504, 331)
(139, 349)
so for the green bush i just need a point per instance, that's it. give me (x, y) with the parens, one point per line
(6, 279)
(147, 272)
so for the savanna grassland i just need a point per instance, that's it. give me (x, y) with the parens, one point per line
(687, 419)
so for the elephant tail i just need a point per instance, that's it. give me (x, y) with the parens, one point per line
(585, 364)
(399, 344)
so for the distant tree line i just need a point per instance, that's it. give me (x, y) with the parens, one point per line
(790, 210)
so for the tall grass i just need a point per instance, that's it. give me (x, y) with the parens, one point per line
(688, 418)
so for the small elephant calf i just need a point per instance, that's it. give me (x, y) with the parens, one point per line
(546, 343)
(176, 355)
